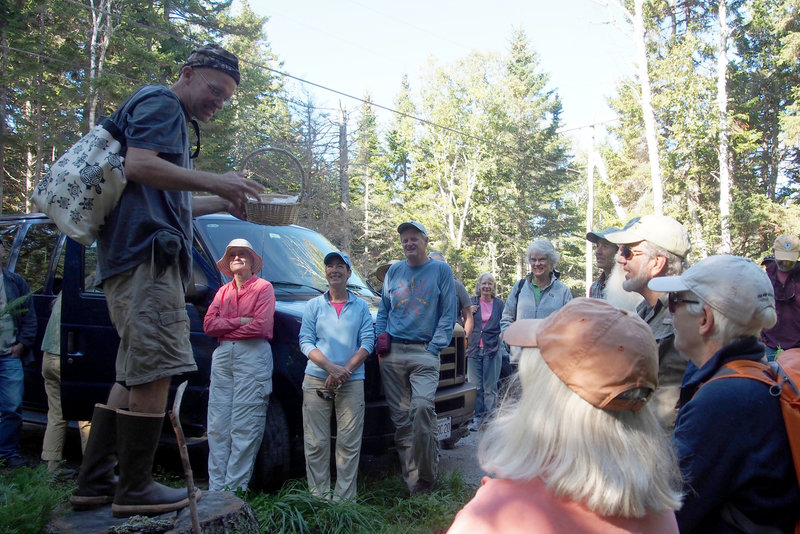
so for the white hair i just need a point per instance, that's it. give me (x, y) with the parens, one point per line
(543, 246)
(615, 294)
(726, 331)
(615, 463)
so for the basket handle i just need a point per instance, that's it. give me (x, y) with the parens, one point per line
(285, 152)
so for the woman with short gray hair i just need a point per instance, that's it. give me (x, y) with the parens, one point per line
(541, 292)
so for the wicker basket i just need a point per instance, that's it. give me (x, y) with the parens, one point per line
(267, 211)
(274, 209)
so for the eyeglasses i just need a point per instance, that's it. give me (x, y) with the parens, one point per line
(674, 299)
(215, 91)
(326, 394)
(536, 261)
(782, 296)
(628, 253)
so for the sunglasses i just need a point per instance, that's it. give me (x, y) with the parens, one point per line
(326, 394)
(628, 253)
(674, 299)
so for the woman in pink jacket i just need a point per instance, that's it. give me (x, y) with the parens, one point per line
(581, 450)
(241, 317)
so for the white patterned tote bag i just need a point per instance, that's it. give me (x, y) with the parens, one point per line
(83, 186)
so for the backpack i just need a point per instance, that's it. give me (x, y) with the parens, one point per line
(783, 380)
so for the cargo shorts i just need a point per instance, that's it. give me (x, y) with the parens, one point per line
(150, 316)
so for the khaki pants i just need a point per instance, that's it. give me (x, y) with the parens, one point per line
(410, 376)
(349, 405)
(52, 448)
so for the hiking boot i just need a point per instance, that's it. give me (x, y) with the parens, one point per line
(96, 480)
(137, 493)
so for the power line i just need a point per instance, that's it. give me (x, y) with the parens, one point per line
(262, 66)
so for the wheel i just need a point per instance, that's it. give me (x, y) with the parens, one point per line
(273, 459)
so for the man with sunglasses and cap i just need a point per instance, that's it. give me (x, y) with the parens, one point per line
(417, 313)
(653, 246)
(783, 271)
(144, 260)
(730, 434)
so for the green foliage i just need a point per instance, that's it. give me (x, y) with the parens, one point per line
(29, 498)
(380, 507)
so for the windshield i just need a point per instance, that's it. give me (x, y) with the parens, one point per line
(293, 256)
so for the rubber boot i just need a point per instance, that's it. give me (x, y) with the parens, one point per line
(96, 480)
(137, 493)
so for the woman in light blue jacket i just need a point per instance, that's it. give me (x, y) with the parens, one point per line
(541, 292)
(337, 335)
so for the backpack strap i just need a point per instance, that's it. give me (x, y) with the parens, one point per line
(746, 369)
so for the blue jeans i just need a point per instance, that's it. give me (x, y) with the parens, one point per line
(11, 385)
(484, 372)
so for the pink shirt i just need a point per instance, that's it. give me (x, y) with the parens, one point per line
(520, 507)
(256, 299)
(486, 314)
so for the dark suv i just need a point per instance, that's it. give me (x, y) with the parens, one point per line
(293, 262)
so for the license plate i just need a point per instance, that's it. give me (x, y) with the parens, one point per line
(443, 428)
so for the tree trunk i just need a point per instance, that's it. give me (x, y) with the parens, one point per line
(648, 113)
(3, 104)
(344, 183)
(722, 106)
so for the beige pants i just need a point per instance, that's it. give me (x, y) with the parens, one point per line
(410, 376)
(348, 402)
(56, 426)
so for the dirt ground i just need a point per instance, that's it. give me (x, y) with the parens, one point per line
(463, 458)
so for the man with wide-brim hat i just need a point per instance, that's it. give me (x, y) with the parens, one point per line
(241, 317)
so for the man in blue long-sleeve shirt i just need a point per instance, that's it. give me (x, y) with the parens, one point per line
(418, 311)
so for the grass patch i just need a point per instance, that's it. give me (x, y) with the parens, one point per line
(380, 507)
(29, 498)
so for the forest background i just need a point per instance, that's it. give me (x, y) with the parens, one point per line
(708, 129)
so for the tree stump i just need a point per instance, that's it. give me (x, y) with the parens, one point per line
(221, 512)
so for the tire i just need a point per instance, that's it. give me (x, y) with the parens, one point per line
(273, 460)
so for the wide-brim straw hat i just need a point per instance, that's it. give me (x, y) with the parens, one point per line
(223, 263)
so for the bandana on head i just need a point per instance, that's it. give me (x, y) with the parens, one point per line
(214, 56)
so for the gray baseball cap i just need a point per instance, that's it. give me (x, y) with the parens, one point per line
(412, 224)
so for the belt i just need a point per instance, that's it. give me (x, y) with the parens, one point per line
(408, 341)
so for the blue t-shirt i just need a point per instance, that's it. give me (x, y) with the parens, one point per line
(154, 119)
(419, 303)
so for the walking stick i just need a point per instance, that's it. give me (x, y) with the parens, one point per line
(175, 417)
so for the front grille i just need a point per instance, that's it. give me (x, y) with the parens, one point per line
(453, 361)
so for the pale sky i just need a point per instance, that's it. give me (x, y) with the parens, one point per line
(359, 45)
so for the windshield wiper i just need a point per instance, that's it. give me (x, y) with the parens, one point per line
(295, 284)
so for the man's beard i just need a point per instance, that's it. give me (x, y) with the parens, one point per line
(616, 295)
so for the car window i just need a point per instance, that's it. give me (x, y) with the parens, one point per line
(33, 258)
(293, 256)
(90, 282)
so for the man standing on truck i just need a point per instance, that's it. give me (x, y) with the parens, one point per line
(144, 260)
(17, 336)
(415, 321)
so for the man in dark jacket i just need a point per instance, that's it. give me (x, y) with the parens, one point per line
(784, 273)
(729, 435)
(17, 336)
